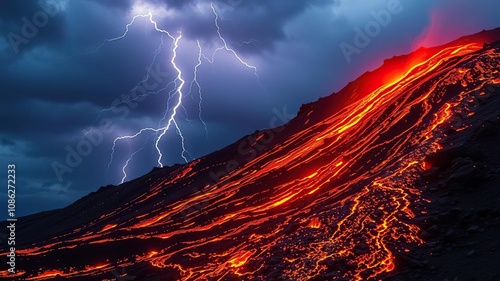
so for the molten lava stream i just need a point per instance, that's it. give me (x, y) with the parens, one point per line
(335, 195)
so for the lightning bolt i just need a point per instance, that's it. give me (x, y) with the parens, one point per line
(146, 78)
(127, 28)
(248, 42)
(124, 168)
(179, 100)
(226, 47)
(178, 90)
(183, 145)
(169, 122)
(195, 82)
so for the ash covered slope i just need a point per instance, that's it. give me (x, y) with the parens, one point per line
(329, 195)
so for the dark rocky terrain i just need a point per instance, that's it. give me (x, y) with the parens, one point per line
(461, 223)
(393, 178)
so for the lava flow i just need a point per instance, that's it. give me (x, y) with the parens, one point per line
(329, 195)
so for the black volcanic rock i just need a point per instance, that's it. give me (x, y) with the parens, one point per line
(338, 193)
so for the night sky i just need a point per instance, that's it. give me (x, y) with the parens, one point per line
(57, 78)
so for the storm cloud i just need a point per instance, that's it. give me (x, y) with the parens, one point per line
(59, 81)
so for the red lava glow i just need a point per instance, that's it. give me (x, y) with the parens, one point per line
(427, 166)
(240, 259)
(49, 274)
(314, 223)
(108, 227)
(336, 193)
(152, 254)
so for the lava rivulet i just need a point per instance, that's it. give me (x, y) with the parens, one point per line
(328, 196)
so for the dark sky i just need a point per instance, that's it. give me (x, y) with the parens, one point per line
(55, 81)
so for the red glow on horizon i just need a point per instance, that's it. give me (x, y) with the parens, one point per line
(431, 34)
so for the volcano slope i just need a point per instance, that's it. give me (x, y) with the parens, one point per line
(335, 194)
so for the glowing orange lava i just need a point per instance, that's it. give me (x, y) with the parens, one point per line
(336, 193)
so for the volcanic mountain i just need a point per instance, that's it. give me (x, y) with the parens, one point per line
(331, 195)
